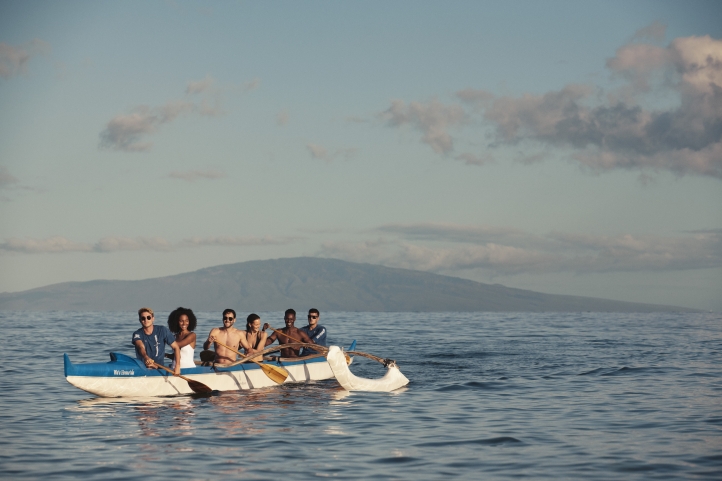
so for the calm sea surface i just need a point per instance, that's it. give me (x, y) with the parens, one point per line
(492, 396)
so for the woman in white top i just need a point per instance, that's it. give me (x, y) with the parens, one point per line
(182, 323)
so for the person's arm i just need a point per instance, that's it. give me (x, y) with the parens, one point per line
(141, 350)
(176, 351)
(270, 339)
(304, 337)
(321, 333)
(243, 342)
(209, 341)
(261, 342)
(189, 339)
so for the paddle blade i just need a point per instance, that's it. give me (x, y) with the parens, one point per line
(199, 387)
(275, 373)
(208, 356)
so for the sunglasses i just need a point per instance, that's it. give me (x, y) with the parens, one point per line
(312, 317)
(229, 318)
(146, 318)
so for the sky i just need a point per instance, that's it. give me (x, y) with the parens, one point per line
(565, 147)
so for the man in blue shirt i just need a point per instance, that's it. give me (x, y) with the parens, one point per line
(315, 332)
(150, 341)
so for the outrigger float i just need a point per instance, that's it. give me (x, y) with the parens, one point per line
(126, 376)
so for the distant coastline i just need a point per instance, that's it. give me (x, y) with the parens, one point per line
(303, 282)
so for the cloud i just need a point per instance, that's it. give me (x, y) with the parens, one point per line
(479, 98)
(194, 175)
(200, 86)
(9, 182)
(432, 119)
(685, 139)
(113, 244)
(38, 246)
(654, 32)
(252, 85)
(14, 59)
(319, 152)
(624, 128)
(125, 131)
(236, 241)
(129, 132)
(282, 117)
(452, 232)
(6, 178)
(59, 244)
(492, 257)
(453, 249)
(471, 159)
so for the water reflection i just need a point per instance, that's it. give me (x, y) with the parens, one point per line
(239, 413)
(155, 416)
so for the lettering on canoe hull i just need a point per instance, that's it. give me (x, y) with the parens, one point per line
(122, 372)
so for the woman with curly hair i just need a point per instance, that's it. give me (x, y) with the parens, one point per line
(182, 323)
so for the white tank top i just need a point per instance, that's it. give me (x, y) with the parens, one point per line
(187, 353)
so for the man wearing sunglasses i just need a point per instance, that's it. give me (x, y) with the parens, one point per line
(228, 335)
(314, 331)
(150, 341)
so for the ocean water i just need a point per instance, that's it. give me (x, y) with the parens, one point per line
(492, 396)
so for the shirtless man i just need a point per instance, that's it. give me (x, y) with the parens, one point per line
(229, 336)
(289, 317)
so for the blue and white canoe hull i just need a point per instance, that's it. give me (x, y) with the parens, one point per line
(125, 376)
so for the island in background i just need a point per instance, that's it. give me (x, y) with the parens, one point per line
(303, 282)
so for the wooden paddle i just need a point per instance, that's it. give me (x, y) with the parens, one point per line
(276, 373)
(383, 361)
(197, 387)
(321, 348)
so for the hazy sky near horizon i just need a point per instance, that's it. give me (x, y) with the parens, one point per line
(560, 146)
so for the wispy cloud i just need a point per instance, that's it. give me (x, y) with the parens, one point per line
(59, 244)
(472, 159)
(237, 241)
(252, 85)
(282, 117)
(14, 58)
(38, 246)
(432, 119)
(448, 248)
(200, 86)
(654, 32)
(10, 183)
(195, 175)
(126, 131)
(321, 153)
(129, 132)
(6, 178)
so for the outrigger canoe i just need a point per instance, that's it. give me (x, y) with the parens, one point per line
(126, 376)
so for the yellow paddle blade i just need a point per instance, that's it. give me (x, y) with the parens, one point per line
(276, 373)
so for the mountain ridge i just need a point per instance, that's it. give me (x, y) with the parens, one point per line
(327, 284)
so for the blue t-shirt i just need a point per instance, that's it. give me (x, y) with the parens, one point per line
(317, 335)
(154, 343)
